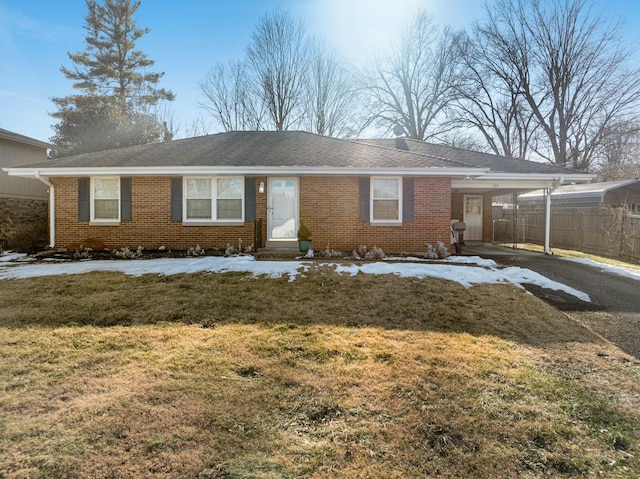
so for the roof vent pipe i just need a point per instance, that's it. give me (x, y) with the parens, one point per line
(401, 144)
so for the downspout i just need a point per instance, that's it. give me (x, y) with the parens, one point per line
(547, 223)
(52, 209)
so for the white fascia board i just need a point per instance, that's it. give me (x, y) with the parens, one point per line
(242, 171)
(524, 181)
(567, 177)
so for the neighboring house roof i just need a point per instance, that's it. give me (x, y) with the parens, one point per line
(498, 164)
(610, 192)
(296, 152)
(9, 135)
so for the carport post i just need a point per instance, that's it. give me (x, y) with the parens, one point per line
(547, 223)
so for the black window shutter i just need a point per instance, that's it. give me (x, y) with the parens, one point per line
(408, 194)
(125, 199)
(364, 195)
(176, 199)
(83, 200)
(249, 199)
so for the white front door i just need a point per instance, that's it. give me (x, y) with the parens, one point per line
(473, 217)
(283, 209)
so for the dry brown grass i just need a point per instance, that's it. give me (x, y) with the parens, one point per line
(226, 376)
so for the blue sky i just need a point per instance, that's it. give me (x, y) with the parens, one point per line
(187, 37)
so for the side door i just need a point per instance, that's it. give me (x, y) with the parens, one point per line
(473, 217)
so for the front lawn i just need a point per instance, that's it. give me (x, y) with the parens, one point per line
(230, 376)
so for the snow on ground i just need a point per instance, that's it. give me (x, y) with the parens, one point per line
(466, 270)
(619, 270)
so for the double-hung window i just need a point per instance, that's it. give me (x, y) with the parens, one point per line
(218, 199)
(105, 199)
(386, 200)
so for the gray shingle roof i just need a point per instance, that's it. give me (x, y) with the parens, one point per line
(295, 149)
(497, 164)
(255, 148)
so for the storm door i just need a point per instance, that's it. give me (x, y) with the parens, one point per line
(283, 209)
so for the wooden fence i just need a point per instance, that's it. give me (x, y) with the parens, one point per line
(611, 232)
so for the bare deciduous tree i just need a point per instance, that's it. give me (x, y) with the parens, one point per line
(278, 53)
(490, 103)
(230, 97)
(414, 86)
(570, 67)
(331, 94)
(618, 155)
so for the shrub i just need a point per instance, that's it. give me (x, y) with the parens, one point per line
(239, 250)
(440, 251)
(304, 234)
(82, 253)
(332, 253)
(126, 253)
(24, 237)
(363, 253)
(197, 251)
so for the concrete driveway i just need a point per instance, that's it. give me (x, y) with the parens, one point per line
(614, 310)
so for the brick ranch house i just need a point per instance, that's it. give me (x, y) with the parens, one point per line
(212, 190)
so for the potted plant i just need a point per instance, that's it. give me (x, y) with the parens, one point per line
(304, 238)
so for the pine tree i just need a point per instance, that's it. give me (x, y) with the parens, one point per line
(117, 91)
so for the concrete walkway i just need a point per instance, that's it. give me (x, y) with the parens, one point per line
(614, 310)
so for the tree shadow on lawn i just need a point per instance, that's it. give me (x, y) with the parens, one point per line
(106, 299)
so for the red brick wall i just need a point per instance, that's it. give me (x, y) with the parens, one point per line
(151, 226)
(328, 206)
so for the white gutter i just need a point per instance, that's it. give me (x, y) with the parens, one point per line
(52, 208)
(244, 171)
(547, 222)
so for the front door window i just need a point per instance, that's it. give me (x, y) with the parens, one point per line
(283, 209)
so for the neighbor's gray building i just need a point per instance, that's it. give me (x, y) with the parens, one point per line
(625, 193)
(21, 198)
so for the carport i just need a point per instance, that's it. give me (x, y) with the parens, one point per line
(472, 199)
(471, 196)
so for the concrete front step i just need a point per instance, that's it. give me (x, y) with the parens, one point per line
(278, 253)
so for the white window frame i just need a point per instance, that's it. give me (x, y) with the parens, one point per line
(214, 200)
(92, 204)
(372, 200)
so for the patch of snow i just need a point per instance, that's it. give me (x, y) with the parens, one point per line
(465, 275)
(161, 266)
(619, 270)
(12, 257)
(474, 271)
(473, 260)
